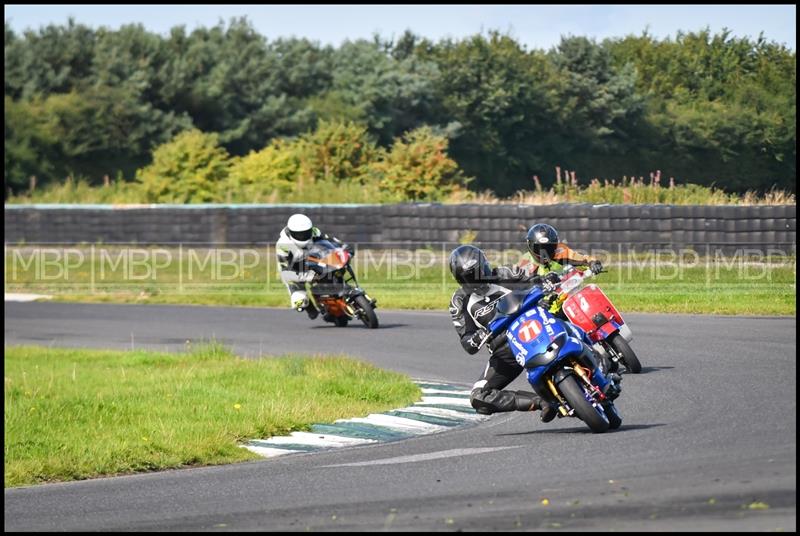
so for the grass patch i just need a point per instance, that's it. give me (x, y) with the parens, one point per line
(397, 279)
(72, 414)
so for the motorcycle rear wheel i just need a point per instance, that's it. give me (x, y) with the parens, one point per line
(573, 392)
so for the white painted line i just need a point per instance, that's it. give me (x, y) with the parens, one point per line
(442, 391)
(446, 400)
(452, 453)
(332, 439)
(317, 440)
(267, 452)
(399, 423)
(272, 446)
(442, 412)
(16, 297)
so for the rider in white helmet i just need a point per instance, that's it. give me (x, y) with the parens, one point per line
(291, 249)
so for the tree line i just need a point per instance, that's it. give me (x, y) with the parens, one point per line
(703, 108)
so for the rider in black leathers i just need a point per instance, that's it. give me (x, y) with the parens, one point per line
(472, 307)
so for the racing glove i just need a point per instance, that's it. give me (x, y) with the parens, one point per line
(596, 267)
(477, 337)
(550, 281)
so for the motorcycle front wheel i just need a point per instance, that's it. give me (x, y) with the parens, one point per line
(366, 312)
(625, 353)
(576, 397)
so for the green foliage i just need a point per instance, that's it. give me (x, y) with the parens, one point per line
(599, 104)
(418, 168)
(266, 174)
(721, 109)
(192, 168)
(29, 146)
(338, 163)
(499, 98)
(702, 107)
(390, 95)
(336, 152)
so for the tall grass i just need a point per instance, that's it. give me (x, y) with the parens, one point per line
(631, 190)
(80, 192)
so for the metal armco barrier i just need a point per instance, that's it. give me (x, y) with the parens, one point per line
(586, 226)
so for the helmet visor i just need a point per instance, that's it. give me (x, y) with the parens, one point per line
(476, 277)
(301, 235)
(543, 252)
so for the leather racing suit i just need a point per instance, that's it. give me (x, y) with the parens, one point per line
(471, 312)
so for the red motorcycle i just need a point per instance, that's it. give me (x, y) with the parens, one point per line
(589, 308)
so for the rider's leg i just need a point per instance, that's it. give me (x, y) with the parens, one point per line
(299, 300)
(488, 396)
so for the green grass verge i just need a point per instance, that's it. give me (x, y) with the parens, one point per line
(398, 279)
(72, 414)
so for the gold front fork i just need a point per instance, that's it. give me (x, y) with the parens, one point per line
(553, 389)
(582, 373)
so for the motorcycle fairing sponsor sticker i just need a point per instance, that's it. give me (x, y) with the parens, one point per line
(529, 330)
(522, 354)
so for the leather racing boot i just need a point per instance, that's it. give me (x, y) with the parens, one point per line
(531, 402)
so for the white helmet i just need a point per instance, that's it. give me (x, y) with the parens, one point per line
(299, 229)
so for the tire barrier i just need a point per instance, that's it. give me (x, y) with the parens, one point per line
(629, 227)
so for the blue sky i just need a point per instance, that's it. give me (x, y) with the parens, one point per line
(536, 26)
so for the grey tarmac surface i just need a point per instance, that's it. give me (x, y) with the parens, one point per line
(708, 436)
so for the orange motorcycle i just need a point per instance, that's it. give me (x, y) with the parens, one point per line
(334, 290)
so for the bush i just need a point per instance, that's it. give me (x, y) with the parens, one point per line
(191, 168)
(336, 152)
(268, 173)
(418, 168)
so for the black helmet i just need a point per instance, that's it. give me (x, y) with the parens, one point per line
(470, 268)
(542, 242)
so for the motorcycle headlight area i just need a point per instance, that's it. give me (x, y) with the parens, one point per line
(552, 349)
(570, 284)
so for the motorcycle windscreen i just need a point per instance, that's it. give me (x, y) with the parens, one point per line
(510, 306)
(328, 254)
(582, 307)
(532, 333)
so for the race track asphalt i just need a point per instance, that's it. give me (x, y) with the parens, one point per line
(708, 440)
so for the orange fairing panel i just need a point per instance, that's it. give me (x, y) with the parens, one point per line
(335, 259)
(335, 306)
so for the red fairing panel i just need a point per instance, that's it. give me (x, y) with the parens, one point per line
(583, 305)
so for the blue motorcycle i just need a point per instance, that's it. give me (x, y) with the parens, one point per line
(558, 359)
